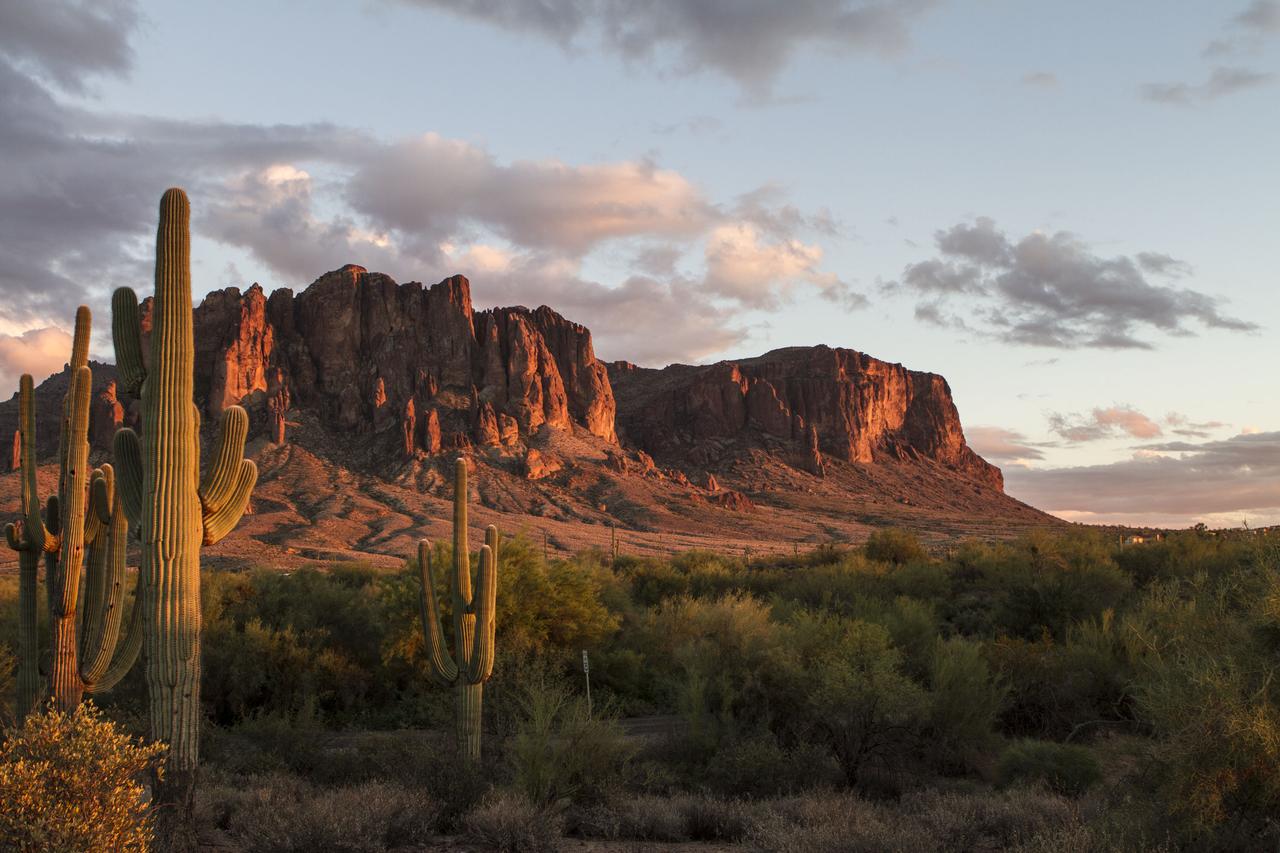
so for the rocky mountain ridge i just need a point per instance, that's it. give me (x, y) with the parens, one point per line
(360, 379)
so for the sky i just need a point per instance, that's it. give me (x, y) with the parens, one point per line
(1068, 210)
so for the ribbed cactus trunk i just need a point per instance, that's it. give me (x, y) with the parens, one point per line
(178, 512)
(82, 519)
(28, 638)
(171, 522)
(473, 620)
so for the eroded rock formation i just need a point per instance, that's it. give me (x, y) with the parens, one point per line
(818, 400)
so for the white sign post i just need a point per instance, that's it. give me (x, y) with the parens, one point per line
(586, 671)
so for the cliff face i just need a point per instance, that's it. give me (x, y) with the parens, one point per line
(418, 370)
(807, 401)
(372, 353)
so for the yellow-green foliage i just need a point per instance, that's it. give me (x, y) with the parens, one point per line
(69, 783)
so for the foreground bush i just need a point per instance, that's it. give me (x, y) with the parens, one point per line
(69, 782)
(1062, 768)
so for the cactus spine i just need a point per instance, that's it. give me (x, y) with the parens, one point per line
(473, 619)
(85, 516)
(178, 511)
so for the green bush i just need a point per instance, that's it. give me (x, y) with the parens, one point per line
(1063, 768)
(964, 703)
(891, 545)
(561, 752)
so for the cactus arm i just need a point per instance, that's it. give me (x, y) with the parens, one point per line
(219, 481)
(99, 641)
(93, 522)
(220, 522)
(443, 667)
(126, 331)
(127, 451)
(95, 575)
(33, 530)
(80, 340)
(73, 493)
(480, 664)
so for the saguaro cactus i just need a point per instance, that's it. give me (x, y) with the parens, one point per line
(473, 619)
(179, 512)
(86, 514)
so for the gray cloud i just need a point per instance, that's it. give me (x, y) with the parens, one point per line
(66, 43)
(1053, 291)
(1179, 424)
(1247, 33)
(749, 42)
(1040, 79)
(1173, 482)
(1262, 16)
(1104, 423)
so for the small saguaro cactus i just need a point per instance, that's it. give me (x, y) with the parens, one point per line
(473, 619)
(86, 514)
(159, 476)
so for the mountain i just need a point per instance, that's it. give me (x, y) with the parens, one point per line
(361, 392)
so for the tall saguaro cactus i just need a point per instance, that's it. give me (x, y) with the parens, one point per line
(473, 619)
(178, 511)
(84, 516)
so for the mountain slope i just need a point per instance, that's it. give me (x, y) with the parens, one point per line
(377, 386)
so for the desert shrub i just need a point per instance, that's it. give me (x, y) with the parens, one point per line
(964, 702)
(1212, 700)
(843, 681)
(709, 656)
(561, 752)
(1063, 768)
(509, 823)
(891, 545)
(836, 823)
(282, 814)
(69, 782)
(985, 821)
(758, 766)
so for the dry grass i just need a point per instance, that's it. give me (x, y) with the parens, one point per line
(281, 814)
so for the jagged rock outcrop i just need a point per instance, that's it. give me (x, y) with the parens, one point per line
(819, 400)
(369, 354)
(106, 415)
(403, 370)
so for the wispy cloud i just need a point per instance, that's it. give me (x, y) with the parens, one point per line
(1002, 445)
(1246, 33)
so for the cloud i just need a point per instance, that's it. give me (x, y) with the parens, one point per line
(1040, 79)
(67, 43)
(646, 319)
(748, 42)
(1001, 445)
(40, 352)
(79, 189)
(1222, 81)
(1247, 32)
(1183, 426)
(1052, 290)
(1176, 483)
(1104, 423)
(435, 186)
(1262, 16)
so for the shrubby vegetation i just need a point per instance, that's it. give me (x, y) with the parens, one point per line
(1006, 695)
